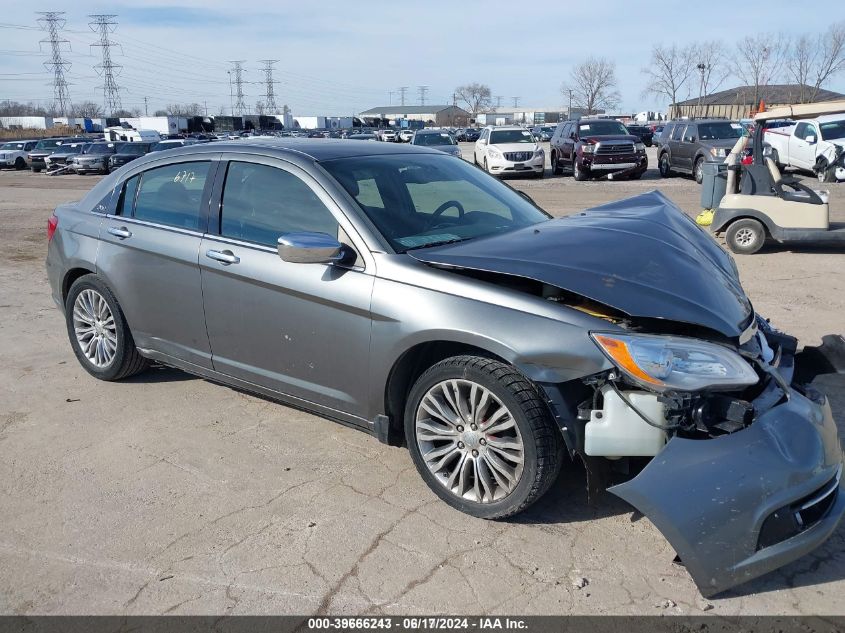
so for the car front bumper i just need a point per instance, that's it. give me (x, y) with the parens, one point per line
(740, 505)
(7, 162)
(534, 165)
(82, 168)
(621, 165)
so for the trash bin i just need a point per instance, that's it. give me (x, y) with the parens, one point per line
(714, 184)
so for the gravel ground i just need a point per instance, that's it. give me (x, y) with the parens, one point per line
(169, 494)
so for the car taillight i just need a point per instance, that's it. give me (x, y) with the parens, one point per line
(52, 223)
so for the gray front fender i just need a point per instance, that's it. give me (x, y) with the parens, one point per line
(710, 498)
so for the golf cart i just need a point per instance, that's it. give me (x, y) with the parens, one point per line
(769, 204)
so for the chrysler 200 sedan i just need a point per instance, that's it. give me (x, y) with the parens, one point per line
(407, 293)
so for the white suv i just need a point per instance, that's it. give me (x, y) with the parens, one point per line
(509, 150)
(13, 153)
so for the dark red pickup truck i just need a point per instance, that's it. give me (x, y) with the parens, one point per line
(591, 148)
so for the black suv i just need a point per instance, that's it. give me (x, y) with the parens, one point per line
(644, 132)
(686, 145)
(597, 147)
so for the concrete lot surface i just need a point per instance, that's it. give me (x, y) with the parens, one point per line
(169, 494)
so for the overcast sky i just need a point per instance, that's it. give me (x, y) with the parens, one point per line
(340, 57)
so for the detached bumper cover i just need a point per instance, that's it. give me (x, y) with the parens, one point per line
(711, 498)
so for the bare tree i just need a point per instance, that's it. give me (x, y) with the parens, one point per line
(16, 108)
(812, 61)
(259, 107)
(758, 60)
(668, 71)
(185, 109)
(476, 96)
(711, 67)
(86, 109)
(594, 85)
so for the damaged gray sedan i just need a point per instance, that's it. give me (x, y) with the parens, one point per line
(406, 293)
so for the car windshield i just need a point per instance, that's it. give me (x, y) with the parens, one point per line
(601, 128)
(48, 144)
(500, 137)
(134, 148)
(72, 149)
(833, 130)
(166, 145)
(12, 146)
(99, 148)
(417, 201)
(434, 139)
(720, 130)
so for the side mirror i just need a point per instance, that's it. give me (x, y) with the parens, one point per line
(767, 151)
(308, 247)
(572, 136)
(811, 139)
(689, 139)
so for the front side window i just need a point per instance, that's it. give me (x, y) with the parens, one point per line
(262, 202)
(172, 195)
(417, 201)
(598, 127)
(802, 130)
(441, 138)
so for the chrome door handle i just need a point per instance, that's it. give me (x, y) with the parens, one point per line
(121, 232)
(226, 257)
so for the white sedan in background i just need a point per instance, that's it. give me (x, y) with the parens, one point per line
(509, 150)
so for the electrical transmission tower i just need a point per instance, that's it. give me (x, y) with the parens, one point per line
(402, 91)
(515, 102)
(238, 79)
(105, 24)
(270, 95)
(53, 22)
(422, 90)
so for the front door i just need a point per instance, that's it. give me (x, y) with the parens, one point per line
(148, 257)
(299, 329)
(802, 152)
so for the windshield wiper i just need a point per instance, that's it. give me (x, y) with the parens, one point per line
(440, 243)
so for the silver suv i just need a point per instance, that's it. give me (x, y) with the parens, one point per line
(685, 146)
(408, 294)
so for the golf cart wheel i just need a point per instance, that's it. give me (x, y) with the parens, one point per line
(824, 172)
(698, 170)
(557, 170)
(663, 166)
(745, 236)
(481, 436)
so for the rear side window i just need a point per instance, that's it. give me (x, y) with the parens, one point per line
(172, 195)
(127, 197)
(262, 202)
(676, 135)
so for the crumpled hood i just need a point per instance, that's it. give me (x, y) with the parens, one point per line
(642, 256)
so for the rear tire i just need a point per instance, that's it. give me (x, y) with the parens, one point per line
(824, 172)
(745, 236)
(20, 163)
(474, 470)
(98, 332)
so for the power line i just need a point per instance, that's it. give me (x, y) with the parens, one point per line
(53, 22)
(421, 90)
(237, 71)
(105, 24)
(270, 95)
(402, 91)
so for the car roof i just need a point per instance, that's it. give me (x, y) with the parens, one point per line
(314, 149)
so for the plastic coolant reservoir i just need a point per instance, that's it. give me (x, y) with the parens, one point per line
(617, 431)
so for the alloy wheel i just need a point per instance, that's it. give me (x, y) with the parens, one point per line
(95, 329)
(745, 237)
(469, 441)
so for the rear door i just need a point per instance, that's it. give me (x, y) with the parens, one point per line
(298, 329)
(568, 144)
(148, 256)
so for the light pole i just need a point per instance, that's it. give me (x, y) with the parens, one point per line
(701, 68)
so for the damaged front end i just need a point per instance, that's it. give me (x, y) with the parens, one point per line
(746, 477)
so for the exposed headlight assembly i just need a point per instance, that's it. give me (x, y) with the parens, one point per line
(640, 147)
(675, 363)
(718, 152)
(494, 153)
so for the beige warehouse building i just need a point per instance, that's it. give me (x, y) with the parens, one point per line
(742, 102)
(446, 115)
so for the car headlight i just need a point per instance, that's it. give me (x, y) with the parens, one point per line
(674, 363)
(718, 152)
(494, 153)
(588, 149)
(538, 153)
(640, 147)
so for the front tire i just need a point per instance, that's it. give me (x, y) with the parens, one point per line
(482, 437)
(20, 163)
(698, 170)
(664, 167)
(557, 170)
(824, 172)
(578, 172)
(98, 332)
(745, 236)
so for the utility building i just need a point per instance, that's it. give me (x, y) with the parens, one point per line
(743, 101)
(443, 115)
